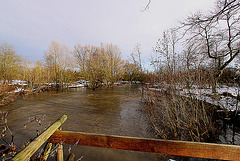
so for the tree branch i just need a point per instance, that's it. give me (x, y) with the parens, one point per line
(147, 6)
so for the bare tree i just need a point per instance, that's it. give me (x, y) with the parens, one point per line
(216, 34)
(80, 53)
(112, 63)
(52, 58)
(137, 61)
(99, 64)
(57, 61)
(136, 56)
(167, 52)
(9, 62)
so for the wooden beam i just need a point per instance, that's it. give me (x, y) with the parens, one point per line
(29, 150)
(171, 147)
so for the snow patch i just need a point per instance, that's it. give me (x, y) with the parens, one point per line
(225, 96)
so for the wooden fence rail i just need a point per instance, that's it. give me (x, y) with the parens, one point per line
(171, 147)
(29, 150)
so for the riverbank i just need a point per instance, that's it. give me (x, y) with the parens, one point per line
(195, 113)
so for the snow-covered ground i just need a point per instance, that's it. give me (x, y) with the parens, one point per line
(18, 90)
(81, 83)
(225, 96)
(19, 82)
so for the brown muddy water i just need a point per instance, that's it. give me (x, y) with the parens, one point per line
(112, 111)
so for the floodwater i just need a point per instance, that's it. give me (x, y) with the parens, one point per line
(111, 111)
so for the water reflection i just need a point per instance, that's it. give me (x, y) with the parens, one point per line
(113, 111)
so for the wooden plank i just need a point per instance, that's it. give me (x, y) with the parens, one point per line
(171, 147)
(29, 150)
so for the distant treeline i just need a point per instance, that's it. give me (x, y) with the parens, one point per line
(97, 64)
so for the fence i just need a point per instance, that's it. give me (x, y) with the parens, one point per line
(171, 147)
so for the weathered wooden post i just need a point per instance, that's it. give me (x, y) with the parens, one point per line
(60, 151)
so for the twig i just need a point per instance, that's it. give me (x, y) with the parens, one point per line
(147, 6)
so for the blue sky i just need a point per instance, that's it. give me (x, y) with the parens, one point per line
(30, 25)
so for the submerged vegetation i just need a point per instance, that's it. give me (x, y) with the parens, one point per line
(178, 113)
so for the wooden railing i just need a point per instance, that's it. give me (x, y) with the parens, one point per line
(29, 150)
(171, 147)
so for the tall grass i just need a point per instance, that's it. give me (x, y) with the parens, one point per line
(177, 116)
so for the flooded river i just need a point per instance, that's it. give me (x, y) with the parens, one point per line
(112, 111)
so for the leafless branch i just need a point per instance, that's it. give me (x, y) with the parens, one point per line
(217, 33)
(147, 6)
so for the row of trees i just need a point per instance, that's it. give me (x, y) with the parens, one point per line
(103, 64)
(97, 64)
